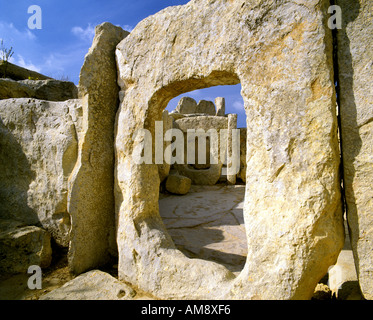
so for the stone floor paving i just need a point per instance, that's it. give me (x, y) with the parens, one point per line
(207, 223)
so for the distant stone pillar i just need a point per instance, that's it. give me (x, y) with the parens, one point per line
(232, 157)
(220, 106)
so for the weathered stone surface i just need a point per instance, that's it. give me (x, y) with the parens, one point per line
(178, 184)
(18, 73)
(220, 106)
(242, 173)
(322, 292)
(355, 57)
(23, 247)
(51, 90)
(342, 278)
(281, 54)
(233, 154)
(207, 223)
(186, 105)
(91, 185)
(38, 150)
(93, 285)
(14, 89)
(206, 107)
(164, 168)
(212, 172)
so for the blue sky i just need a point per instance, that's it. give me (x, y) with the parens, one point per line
(58, 49)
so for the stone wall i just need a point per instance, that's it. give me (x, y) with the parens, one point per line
(38, 151)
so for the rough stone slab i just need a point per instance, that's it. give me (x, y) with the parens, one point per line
(91, 184)
(19, 73)
(205, 231)
(38, 151)
(281, 53)
(186, 105)
(50, 90)
(206, 107)
(93, 285)
(23, 247)
(355, 56)
(178, 184)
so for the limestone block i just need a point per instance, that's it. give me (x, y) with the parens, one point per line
(206, 107)
(281, 53)
(211, 174)
(38, 151)
(178, 184)
(14, 89)
(355, 56)
(186, 105)
(93, 285)
(164, 168)
(233, 159)
(220, 106)
(91, 184)
(242, 173)
(51, 90)
(23, 247)
(12, 71)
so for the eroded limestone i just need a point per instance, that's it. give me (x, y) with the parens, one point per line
(91, 184)
(355, 57)
(281, 53)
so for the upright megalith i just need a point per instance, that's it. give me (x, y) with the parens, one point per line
(355, 56)
(186, 105)
(281, 53)
(38, 151)
(91, 184)
(220, 106)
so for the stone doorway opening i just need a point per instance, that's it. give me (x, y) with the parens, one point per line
(207, 222)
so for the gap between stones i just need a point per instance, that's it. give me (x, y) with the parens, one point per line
(338, 101)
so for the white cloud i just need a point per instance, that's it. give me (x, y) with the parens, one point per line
(12, 34)
(86, 34)
(28, 65)
(238, 105)
(30, 35)
(127, 27)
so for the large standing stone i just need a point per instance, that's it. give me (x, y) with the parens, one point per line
(242, 173)
(233, 152)
(186, 105)
(281, 53)
(164, 168)
(206, 107)
(220, 106)
(355, 56)
(91, 185)
(38, 151)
